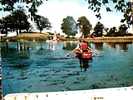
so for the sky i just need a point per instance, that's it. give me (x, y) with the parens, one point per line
(56, 10)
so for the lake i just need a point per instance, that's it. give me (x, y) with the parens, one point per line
(44, 67)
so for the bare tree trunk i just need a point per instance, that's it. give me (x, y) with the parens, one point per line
(17, 32)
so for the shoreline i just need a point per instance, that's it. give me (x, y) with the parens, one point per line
(43, 37)
(111, 39)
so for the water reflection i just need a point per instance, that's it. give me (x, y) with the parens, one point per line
(18, 46)
(18, 52)
(52, 44)
(124, 46)
(98, 46)
(112, 45)
(121, 46)
(69, 45)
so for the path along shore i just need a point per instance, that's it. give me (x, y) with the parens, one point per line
(111, 39)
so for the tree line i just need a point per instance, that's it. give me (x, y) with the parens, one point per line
(18, 21)
(70, 27)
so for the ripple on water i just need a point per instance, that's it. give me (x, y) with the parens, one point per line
(22, 78)
(38, 69)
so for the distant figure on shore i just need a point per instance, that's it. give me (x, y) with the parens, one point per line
(84, 54)
(52, 42)
(55, 37)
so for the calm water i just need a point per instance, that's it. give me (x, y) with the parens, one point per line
(34, 67)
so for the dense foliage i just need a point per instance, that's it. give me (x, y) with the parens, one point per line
(112, 31)
(98, 29)
(121, 31)
(124, 6)
(69, 26)
(84, 25)
(42, 22)
(16, 21)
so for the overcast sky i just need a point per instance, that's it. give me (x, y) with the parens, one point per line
(56, 10)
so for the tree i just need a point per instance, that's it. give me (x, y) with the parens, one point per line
(31, 5)
(8, 24)
(84, 25)
(42, 23)
(106, 29)
(124, 6)
(112, 32)
(16, 21)
(21, 22)
(98, 29)
(69, 26)
(121, 32)
(95, 5)
(122, 29)
(1, 27)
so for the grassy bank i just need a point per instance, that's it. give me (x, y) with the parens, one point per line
(27, 37)
(45, 36)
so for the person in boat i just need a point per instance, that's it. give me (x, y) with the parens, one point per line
(84, 54)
